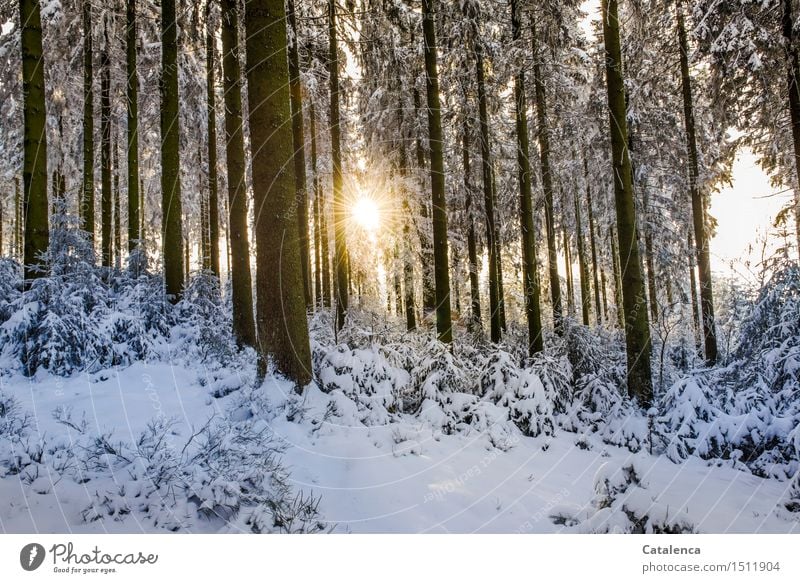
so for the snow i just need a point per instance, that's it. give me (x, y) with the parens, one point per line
(400, 475)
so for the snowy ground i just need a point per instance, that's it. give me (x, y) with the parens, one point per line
(401, 477)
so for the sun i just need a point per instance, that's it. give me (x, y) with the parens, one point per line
(366, 214)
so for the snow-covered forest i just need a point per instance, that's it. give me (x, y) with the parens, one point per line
(395, 266)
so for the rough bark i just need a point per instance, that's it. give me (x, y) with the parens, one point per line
(441, 267)
(87, 195)
(530, 276)
(280, 302)
(472, 248)
(637, 327)
(592, 235)
(583, 267)
(547, 183)
(212, 249)
(698, 204)
(34, 166)
(132, 98)
(106, 196)
(171, 221)
(239, 259)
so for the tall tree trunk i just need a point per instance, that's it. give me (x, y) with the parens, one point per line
(280, 302)
(239, 258)
(408, 266)
(530, 276)
(698, 204)
(18, 219)
(86, 206)
(117, 217)
(171, 221)
(592, 234)
(317, 207)
(323, 265)
(298, 140)
(132, 94)
(213, 192)
(617, 278)
(793, 85)
(568, 269)
(499, 266)
(495, 317)
(637, 327)
(472, 249)
(205, 223)
(106, 196)
(583, 267)
(648, 254)
(440, 264)
(34, 168)
(547, 182)
(428, 284)
(693, 296)
(342, 286)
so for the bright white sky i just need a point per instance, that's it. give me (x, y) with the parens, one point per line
(744, 212)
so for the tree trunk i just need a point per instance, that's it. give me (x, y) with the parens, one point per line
(239, 260)
(428, 284)
(530, 276)
(134, 220)
(637, 327)
(18, 219)
(86, 206)
(298, 140)
(440, 264)
(34, 169)
(117, 218)
(106, 196)
(698, 204)
(693, 295)
(547, 183)
(648, 253)
(317, 206)
(171, 219)
(472, 250)
(568, 269)
(592, 232)
(617, 279)
(339, 215)
(280, 303)
(205, 223)
(499, 266)
(583, 267)
(212, 250)
(408, 266)
(495, 317)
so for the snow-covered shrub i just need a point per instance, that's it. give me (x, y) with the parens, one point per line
(624, 504)
(205, 326)
(14, 425)
(10, 287)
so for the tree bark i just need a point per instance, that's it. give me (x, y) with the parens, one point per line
(583, 267)
(592, 232)
(698, 204)
(472, 249)
(117, 217)
(132, 94)
(530, 276)
(298, 140)
(106, 196)
(239, 262)
(34, 166)
(441, 267)
(317, 207)
(547, 183)
(637, 327)
(212, 251)
(87, 197)
(171, 219)
(648, 253)
(280, 303)
(342, 286)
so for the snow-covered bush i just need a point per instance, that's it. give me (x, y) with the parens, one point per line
(205, 326)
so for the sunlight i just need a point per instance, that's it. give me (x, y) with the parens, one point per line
(366, 214)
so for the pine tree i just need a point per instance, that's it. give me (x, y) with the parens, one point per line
(441, 266)
(342, 285)
(472, 248)
(132, 98)
(239, 258)
(34, 170)
(106, 196)
(280, 308)
(171, 221)
(212, 254)
(698, 204)
(87, 196)
(530, 275)
(637, 327)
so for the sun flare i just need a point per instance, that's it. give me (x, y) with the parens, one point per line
(366, 214)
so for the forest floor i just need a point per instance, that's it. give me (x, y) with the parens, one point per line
(400, 477)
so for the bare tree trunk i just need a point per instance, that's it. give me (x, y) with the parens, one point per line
(441, 267)
(342, 286)
(637, 327)
(86, 206)
(211, 251)
(117, 217)
(239, 257)
(132, 98)
(698, 204)
(583, 268)
(530, 276)
(317, 206)
(106, 202)
(280, 302)
(592, 234)
(472, 251)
